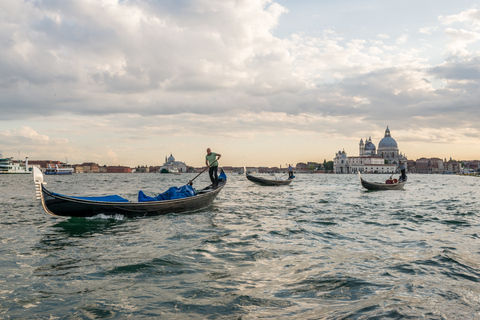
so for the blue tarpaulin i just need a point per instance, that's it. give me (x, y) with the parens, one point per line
(111, 198)
(222, 176)
(171, 194)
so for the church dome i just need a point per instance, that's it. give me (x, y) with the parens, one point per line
(387, 141)
(171, 158)
(369, 146)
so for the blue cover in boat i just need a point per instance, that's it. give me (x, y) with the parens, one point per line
(171, 194)
(111, 198)
(222, 176)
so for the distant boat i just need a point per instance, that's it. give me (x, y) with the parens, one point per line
(382, 186)
(467, 172)
(73, 206)
(268, 182)
(7, 166)
(169, 169)
(57, 170)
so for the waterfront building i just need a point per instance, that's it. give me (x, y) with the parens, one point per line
(429, 165)
(363, 164)
(90, 167)
(437, 165)
(472, 165)
(142, 169)
(370, 159)
(172, 165)
(119, 169)
(452, 166)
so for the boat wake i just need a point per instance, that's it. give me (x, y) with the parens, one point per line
(102, 216)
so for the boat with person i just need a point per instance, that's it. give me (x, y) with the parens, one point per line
(277, 181)
(390, 184)
(8, 166)
(174, 200)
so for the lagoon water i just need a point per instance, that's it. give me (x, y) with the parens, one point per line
(321, 248)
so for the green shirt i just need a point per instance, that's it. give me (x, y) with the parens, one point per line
(212, 159)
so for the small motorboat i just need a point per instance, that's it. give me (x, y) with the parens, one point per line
(390, 184)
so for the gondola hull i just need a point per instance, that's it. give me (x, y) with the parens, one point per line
(381, 186)
(268, 182)
(66, 206)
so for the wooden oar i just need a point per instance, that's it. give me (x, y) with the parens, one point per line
(190, 182)
(393, 173)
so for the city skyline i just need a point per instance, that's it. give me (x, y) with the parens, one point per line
(260, 82)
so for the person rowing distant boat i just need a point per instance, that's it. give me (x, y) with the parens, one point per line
(211, 161)
(401, 166)
(290, 171)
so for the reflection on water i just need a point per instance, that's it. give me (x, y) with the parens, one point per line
(322, 247)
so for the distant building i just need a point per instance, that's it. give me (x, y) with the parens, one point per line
(230, 169)
(472, 165)
(452, 166)
(301, 166)
(370, 159)
(89, 167)
(118, 169)
(430, 165)
(363, 164)
(142, 169)
(172, 165)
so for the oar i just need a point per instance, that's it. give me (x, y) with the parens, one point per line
(392, 174)
(190, 182)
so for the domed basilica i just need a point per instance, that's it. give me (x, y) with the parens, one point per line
(387, 148)
(172, 165)
(370, 159)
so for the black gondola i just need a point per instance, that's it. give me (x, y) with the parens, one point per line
(268, 182)
(381, 186)
(68, 206)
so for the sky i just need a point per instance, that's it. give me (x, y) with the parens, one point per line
(263, 83)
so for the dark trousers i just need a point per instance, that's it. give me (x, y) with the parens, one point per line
(213, 172)
(404, 176)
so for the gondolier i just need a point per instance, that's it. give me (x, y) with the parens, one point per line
(211, 160)
(401, 167)
(290, 171)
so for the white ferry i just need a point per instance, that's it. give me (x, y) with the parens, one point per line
(169, 169)
(8, 166)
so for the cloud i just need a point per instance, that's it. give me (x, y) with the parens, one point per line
(402, 39)
(30, 142)
(25, 134)
(428, 30)
(458, 40)
(470, 17)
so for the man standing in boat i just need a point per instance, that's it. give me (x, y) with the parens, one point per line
(211, 162)
(401, 166)
(290, 172)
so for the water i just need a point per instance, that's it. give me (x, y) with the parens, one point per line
(321, 248)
